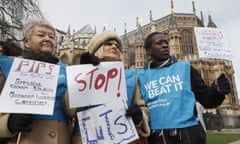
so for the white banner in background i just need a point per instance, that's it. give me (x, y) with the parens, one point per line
(212, 43)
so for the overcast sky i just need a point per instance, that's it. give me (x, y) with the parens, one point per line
(114, 13)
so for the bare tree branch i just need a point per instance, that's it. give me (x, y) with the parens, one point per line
(13, 13)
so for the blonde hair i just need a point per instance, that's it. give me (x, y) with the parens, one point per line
(102, 37)
(28, 27)
(100, 53)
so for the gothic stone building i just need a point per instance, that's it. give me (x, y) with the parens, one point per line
(180, 30)
(71, 46)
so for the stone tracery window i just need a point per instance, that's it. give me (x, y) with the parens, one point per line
(186, 43)
(64, 59)
(76, 60)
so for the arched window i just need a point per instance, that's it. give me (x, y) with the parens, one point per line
(64, 59)
(76, 60)
(132, 58)
(186, 43)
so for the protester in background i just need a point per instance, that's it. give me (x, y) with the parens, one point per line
(39, 42)
(105, 46)
(189, 131)
(1, 48)
(9, 48)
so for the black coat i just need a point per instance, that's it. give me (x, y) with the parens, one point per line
(206, 95)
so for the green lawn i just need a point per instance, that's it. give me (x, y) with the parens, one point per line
(221, 138)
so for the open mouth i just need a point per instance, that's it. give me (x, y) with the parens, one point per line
(165, 51)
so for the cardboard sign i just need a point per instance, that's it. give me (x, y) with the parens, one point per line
(30, 87)
(107, 124)
(91, 85)
(212, 43)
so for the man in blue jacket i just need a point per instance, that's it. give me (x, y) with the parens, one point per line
(170, 90)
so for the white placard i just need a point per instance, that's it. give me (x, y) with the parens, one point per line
(212, 43)
(90, 85)
(30, 87)
(107, 124)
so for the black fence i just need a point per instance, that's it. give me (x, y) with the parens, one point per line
(218, 122)
(213, 121)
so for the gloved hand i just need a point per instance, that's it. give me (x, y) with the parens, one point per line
(223, 84)
(87, 58)
(135, 112)
(20, 122)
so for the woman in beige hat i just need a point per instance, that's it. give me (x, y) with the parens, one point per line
(107, 46)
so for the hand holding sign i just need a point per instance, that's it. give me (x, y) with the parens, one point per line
(87, 58)
(135, 112)
(20, 122)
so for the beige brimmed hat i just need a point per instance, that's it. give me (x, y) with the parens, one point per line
(100, 38)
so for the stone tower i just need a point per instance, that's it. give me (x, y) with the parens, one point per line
(71, 46)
